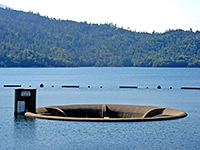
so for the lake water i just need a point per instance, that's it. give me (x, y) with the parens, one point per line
(34, 134)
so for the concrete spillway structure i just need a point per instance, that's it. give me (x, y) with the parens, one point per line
(106, 113)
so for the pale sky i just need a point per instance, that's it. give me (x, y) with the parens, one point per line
(138, 15)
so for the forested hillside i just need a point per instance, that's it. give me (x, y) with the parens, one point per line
(29, 40)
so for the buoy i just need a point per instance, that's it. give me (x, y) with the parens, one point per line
(52, 86)
(170, 87)
(158, 87)
(147, 87)
(41, 85)
(128, 86)
(101, 86)
(12, 85)
(190, 88)
(29, 85)
(70, 86)
(88, 86)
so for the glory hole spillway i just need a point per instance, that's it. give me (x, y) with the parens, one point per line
(25, 103)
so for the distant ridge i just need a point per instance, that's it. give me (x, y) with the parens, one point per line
(30, 40)
(3, 6)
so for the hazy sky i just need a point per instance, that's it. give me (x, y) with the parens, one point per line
(139, 15)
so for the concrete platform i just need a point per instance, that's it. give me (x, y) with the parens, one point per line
(106, 113)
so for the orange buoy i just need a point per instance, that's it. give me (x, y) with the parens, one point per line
(88, 86)
(101, 86)
(170, 87)
(147, 87)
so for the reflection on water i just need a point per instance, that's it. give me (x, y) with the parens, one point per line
(23, 118)
(24, 131)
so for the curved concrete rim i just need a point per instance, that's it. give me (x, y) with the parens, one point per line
(106, 113)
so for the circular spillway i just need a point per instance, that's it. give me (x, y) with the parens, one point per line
(106, 113)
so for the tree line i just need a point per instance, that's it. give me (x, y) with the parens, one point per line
(30, 40)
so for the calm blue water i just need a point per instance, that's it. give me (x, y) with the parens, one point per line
(181, 134)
